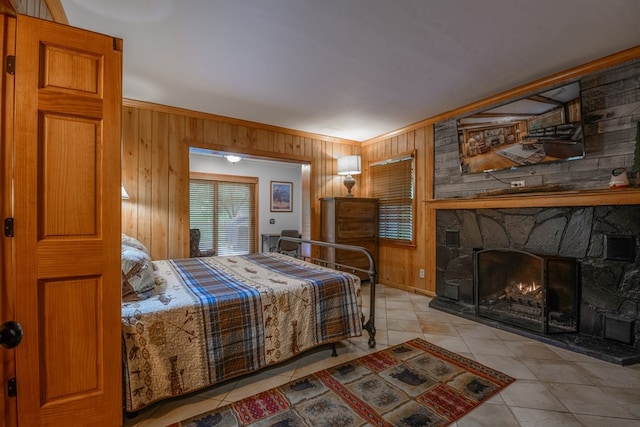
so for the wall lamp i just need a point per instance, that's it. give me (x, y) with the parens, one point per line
(124, 193)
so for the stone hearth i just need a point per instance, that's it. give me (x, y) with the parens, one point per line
(603, 240)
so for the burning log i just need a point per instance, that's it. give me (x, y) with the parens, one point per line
(525, 294)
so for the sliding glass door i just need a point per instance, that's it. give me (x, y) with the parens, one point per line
(225, 213)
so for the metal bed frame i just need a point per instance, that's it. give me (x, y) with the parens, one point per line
(369, 326)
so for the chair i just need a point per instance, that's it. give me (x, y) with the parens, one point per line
(194, 245)
(286, 247)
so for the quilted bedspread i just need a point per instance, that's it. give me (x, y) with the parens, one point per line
(215, 318)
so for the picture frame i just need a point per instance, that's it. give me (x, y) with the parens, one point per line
(281, 196)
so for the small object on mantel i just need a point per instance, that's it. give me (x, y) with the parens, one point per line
(619, 178)
(520, 190)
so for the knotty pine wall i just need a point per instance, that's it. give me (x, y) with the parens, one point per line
(399, 265)
(155, 144)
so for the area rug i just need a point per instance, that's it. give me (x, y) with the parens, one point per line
(412, 384)
(518, 155)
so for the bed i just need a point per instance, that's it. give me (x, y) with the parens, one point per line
(209, 319)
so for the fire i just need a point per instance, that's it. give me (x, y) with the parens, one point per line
(526, 288)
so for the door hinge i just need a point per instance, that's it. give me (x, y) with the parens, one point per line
(8, 227)
(11, 64)
(12, 387)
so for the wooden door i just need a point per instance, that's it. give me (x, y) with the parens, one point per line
(66, 249)
(7, 299)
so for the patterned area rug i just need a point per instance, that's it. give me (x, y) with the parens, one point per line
(412, 384)
(518, 155)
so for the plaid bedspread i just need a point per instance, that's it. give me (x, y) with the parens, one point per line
(216, 318)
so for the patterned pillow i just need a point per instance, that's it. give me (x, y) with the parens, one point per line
(137, 274)
(134, 243)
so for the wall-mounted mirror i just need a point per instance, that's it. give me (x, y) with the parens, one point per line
(543, 127)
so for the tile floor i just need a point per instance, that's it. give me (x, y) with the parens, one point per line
(553, 387)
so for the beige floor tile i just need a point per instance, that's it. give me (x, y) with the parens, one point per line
(487, 346)
(509, 365)
(589, 400)
(437, 328)
(627, 398)
(510, 336)
(558, 371)
(610, 375)
(455, 344)
(402, 315)
(537, 418)
(176, 410)
(475, 330)
(595, 421)
(489, 415)
(398, 325)
(529, 349)
(531, 394)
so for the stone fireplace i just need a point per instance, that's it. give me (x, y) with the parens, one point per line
(586, 295)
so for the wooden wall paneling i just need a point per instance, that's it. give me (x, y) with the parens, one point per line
(262, 139)
(196, 130)
(307, 147)
(399, 265)
(225, 135)
(178, 189)
(130, 170)
(160, 186)
(144, 198)
(209, 132)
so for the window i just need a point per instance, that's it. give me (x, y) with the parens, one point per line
(224, 209)
(392, 185)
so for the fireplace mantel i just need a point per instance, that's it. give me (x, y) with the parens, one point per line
(622, 196)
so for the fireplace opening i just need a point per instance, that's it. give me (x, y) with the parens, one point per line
(534, 292)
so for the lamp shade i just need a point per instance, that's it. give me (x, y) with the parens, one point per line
(349, 165)
(123, 192)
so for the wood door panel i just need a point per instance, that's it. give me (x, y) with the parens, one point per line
(84, 257)
(70, 104)
(68, 173)
(71, 71)
(72, 306)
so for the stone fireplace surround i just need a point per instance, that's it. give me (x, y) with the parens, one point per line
(610, 271)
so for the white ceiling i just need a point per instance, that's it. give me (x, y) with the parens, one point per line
(353, 69)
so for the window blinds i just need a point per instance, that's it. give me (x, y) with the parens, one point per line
(392, 185)
(225, 213)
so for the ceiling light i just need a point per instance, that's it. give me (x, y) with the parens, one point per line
(233, 159)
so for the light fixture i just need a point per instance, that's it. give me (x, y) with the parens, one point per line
(124, 193)
(348, 166)
(233, 159)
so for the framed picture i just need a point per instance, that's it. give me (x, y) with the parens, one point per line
(281, 196)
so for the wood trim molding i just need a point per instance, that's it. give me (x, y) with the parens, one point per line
(571, 73)
(209, 116)
(629, 196)
(251, 153)
(57, 11)
(220, 177)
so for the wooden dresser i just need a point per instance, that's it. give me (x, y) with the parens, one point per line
(350, 221)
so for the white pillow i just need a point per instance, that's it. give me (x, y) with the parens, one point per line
(134, 243)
